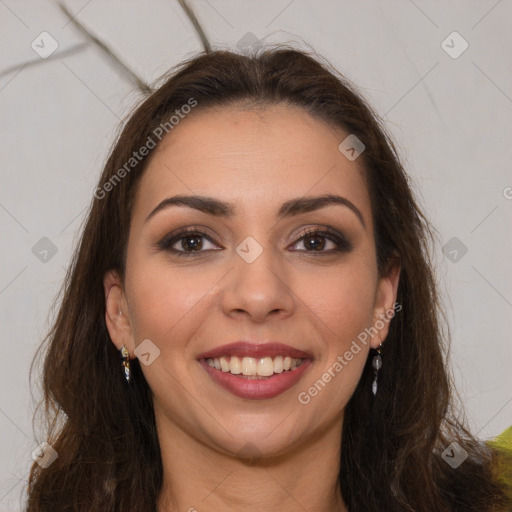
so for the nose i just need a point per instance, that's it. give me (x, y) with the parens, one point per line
(259, 290)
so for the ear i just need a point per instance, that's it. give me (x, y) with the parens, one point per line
(385, 300)
(117, 315)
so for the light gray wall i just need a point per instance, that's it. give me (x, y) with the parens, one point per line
(450, 117)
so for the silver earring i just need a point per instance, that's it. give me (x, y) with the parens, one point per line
(376, 365)
(125, 356)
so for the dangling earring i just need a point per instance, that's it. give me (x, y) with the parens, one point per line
(377, 365)
(125, 356)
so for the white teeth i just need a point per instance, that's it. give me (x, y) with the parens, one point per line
(254, 367)
(265, 367)
(235, 366)
(224, 365)
(249, 366)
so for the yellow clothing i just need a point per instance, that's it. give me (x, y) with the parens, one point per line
(503, 444)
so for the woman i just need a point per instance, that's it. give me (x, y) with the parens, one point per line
(254, 243)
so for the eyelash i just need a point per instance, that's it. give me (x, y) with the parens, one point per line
(343, 245)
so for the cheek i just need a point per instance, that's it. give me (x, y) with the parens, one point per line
(342, 298)
(341, 301)
(338, 299)
(163, 301)
(171, 303)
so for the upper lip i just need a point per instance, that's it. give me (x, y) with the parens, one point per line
(257, 350)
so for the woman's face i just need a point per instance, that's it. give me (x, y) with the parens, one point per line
(248, 273)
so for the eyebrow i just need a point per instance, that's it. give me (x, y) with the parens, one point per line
(212, 206)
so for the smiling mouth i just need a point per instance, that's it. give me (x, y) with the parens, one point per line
(254, 367)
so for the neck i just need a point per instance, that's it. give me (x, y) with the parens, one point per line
(197, 477)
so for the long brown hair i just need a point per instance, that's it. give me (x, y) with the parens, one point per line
(104, 430)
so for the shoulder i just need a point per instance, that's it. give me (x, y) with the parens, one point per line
(502, 467)
(482, 482)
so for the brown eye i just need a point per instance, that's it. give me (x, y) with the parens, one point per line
(186, 242)
(191, 242)
(316, 240)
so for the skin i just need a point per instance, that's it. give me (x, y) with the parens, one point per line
(315, 301)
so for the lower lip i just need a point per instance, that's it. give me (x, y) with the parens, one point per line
(257, 389)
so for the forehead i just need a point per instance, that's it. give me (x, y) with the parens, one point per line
(254, 157)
